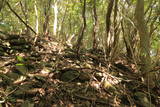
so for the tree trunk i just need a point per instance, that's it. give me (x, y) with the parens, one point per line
(24, 8)
(108, 22)
(79, 41)
(46, 17)
(36, 14)
(95, 26)
(55, 19)
(145, 59)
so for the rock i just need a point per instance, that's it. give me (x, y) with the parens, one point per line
(68, 76)
(84, 76)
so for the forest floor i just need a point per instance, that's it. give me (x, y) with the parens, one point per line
(48, 74)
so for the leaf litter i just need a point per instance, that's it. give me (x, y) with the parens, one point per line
(48, 74)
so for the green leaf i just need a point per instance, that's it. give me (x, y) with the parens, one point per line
(20, 59)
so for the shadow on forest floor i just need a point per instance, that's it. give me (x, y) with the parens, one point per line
(46, 74)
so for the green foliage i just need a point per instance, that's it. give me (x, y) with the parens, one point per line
(5, 26)
(156, 42)
(20, 59)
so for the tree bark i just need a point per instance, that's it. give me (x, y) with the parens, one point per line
(46, 17)
(80, 38)
(108, 22)
(36, 14)
(55, 19)
(144, 37)
(145, 59)
(95, 26)
(24, 8)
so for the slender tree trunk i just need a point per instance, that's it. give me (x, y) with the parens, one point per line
(61, 27)
(113, 47)
(24, 9)
(46, 20)
(55, 18)
(108, 22)
(115, 24)
(80, 38)
(95, 26)
(36, 14)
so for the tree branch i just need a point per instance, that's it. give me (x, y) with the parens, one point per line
(20, 18)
